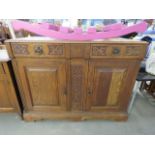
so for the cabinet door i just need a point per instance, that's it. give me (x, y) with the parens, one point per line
(5, 103)
(43, 84)
(110, 84)
(8, 99)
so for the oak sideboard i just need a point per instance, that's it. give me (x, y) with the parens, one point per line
(75, 80)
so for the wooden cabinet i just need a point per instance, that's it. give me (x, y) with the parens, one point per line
(8, 96)
(76, 80)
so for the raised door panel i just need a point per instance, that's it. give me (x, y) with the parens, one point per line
(38, 87)
(78, 83)
(4, 98)
(107, 85)
(43, 84)
(8, 98)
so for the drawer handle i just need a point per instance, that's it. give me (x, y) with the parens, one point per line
(38, 50)
(116, 51)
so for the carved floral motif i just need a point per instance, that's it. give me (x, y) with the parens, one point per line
(76, 89)
(132, 50)
(99, 50)
(20, 49)
(55, 49)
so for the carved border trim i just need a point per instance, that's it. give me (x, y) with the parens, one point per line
(99, 50)
(133, 50)
(56, 50)
(20, 49)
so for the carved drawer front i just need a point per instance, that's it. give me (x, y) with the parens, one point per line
(134, 51)
(106, 50)
(56, 50)
(38, 49)
(20, 49)
(98, 51)
(79, 50)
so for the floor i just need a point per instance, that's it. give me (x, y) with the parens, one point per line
(141, 121)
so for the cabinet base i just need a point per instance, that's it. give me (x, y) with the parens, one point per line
(75, 116)
(7, 110)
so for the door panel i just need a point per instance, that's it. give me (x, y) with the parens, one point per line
(4, 98)
(43, 83)
(115, 86)
(106, 85)
(36, 77)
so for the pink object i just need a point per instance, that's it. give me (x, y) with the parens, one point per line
(112, 31)
(92, 30)
(45, 25)
(64, 29)
(77, 30)
(114, 27)
(49, 26)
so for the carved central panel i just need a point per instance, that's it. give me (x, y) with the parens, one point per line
(99, 51)
(76, 88)
(20, 49)
(55, 49)
(133, 50)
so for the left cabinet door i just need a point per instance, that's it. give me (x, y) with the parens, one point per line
(5, 100)
(8, 98)
(42, 84)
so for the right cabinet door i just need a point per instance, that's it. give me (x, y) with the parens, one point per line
(109, 84)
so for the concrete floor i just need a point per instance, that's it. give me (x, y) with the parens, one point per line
(141, 121)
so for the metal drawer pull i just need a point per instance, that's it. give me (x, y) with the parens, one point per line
(38, 49)
(116, 51)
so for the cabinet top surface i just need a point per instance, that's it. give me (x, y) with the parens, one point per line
(45, 39)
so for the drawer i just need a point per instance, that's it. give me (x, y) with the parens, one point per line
(38, 50)
(116, 51)
(134, 51)
(106, 50)
(78, 50)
